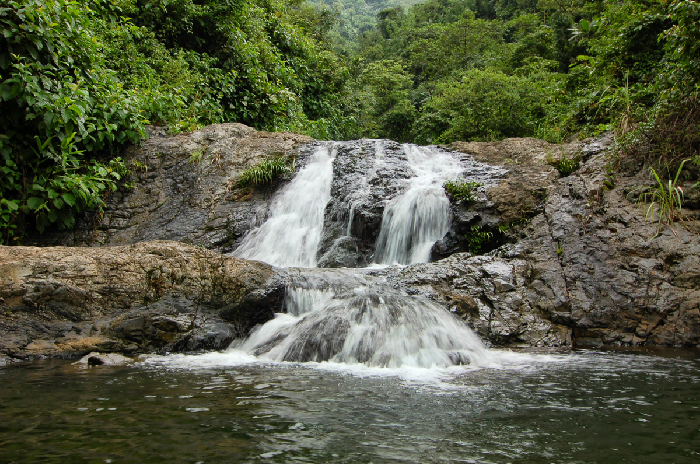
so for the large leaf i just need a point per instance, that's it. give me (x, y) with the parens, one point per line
(34, 203)
(69, 199)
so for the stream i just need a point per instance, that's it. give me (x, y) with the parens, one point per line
(581, 407)
(355, 370)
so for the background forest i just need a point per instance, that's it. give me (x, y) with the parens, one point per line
(79, 81)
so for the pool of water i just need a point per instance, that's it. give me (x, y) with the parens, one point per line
(581, 407)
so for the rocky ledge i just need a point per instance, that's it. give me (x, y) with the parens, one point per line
(583, 267)
(182, 187)
(151, 297)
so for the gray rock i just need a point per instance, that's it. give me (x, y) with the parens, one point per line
(177, 197)
(151, 297)
(103, 359)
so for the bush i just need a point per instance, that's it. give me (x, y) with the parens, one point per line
(265, 172)
(484, 105)
(59, 104)
(461, 190)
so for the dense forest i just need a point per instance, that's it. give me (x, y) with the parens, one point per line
(79, 81)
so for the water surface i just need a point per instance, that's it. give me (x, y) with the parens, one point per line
(586, 407)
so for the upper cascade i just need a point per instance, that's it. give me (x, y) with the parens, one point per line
(419, 217)
(292, 232)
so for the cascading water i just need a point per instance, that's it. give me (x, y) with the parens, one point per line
(357, 315)
(292, 232)
(371, 324)
(414, 221)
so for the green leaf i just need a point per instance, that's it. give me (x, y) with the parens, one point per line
(11, 204)
(53, 215)
(34, 203)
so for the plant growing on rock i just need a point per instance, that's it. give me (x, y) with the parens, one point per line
(461, 190)
(664, 198)
(265, 172)
(196, 156)
(476, 238)
(565, 165)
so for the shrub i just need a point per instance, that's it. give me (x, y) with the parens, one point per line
(265, 172)
(461, 190)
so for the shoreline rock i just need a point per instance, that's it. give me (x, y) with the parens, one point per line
(149, 297)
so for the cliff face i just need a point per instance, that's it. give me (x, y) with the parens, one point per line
(585, 269)
(570, 263)
(183, 189)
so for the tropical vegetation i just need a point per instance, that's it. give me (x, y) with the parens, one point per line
(80, 80)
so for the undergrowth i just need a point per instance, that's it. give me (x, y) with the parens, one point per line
(461, 190)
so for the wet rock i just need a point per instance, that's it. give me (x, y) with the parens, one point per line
(585, 268)
(343, 252)
(576, 265)
(104, 359)
(367, 176)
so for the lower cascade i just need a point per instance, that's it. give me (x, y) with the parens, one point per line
(355, 315)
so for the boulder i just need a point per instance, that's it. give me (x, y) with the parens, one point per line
(183, 188)
(150, 297)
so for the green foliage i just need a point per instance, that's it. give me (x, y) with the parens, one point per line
(483, 105)
(265, 172)
(664, 200)
(564, 164)
(59, 103)
(196, 156)
(476, 239)
(79, 81)
(461, 190)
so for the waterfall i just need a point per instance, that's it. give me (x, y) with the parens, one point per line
(291, 234)
(375, 325)
(357, 315)
(414, 221)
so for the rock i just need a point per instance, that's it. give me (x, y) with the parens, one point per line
(103, 359)
(571, 263)
(177, 197)
(367, 175)
(155, 296)
(586, 269)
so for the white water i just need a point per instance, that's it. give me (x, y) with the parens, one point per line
(418, 218)
(292, 232)
(375, 326)
(354, 316)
